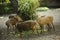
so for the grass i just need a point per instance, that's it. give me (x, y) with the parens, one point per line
(28, 33)
(41, 9)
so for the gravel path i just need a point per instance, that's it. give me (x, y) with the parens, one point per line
(44, 36)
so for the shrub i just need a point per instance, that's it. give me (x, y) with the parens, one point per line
(27, 8)
(5, 7)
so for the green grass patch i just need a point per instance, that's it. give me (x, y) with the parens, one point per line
(42, 9)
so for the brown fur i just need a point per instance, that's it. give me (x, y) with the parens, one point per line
(11, 22)
(46, 20)
(26, 25)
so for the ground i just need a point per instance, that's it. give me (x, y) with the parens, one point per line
(44, 36)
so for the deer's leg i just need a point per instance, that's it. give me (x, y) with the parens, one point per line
(42, 28)
(53, 27)
(49, 27)
(8, 30)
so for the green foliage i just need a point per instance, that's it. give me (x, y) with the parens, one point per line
(41, 9)
(27, 8)
(7, 1)
(5, 7)
(0, 1)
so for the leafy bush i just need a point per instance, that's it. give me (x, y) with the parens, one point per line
(27, 8)
(5, 7)
(8, 8)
